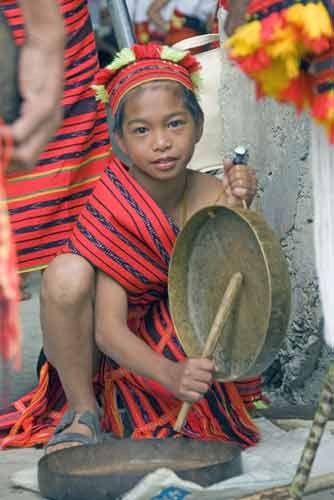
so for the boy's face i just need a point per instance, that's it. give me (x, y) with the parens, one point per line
(159, 132)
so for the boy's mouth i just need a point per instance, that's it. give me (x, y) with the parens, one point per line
(165, 163)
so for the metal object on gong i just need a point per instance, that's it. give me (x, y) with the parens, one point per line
(111, 468)
(216, 243)
(9, 95)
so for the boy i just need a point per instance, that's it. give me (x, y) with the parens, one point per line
(110, 284)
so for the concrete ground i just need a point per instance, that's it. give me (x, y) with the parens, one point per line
(12, 461)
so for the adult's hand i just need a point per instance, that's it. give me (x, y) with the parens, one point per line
(236, 15)
(40, 75)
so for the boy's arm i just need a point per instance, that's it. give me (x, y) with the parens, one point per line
(187, 380)
(41, 74)
(240, 184)
(154, 13)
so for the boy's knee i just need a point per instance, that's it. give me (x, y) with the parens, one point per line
(68, 281)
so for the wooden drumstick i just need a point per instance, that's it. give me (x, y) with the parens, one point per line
(218, 324)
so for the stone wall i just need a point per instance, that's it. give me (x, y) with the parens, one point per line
(279, 144)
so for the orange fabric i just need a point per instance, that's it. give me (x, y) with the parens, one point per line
(9, 328)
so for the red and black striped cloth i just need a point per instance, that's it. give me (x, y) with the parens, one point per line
(44, 203)
(123, 232)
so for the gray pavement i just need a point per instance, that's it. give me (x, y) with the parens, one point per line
(13, 461)
(26, 378)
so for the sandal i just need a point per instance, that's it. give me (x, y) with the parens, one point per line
(87, 418)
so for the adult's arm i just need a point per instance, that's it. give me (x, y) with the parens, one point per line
(41, 76)
(188, 380)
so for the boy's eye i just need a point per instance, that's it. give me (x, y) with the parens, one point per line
(176, 123)
(140, 130)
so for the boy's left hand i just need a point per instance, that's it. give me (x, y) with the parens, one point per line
(240, 183)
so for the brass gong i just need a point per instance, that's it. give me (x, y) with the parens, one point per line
(216, 243)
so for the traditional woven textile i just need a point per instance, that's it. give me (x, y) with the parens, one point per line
(44, 203)
(123, 232)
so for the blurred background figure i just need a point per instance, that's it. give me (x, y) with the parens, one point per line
(105, 40)
(188, 18)
(95, 7)
(138, 14)
(160, 14)
(162, 21)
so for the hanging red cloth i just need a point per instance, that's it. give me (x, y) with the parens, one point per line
(9, 328)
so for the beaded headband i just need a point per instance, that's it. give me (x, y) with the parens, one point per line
(142, 64)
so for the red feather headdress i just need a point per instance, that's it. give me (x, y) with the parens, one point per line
(141, 64)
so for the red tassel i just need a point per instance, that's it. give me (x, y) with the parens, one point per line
(191, 63)
(147, 51)
(298, 92)
(102, 77)
(323, 107)
(254, 62)
(269, 25)
(258, 91)
(331, 133)
(318, 46)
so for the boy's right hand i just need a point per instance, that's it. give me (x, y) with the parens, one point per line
(190, 379)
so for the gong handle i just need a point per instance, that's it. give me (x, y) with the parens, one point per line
(217, 327)
(241, 157)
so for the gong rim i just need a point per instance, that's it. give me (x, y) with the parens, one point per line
(178, 287)
(113, 467)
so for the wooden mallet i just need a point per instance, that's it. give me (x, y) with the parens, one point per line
(217, 327)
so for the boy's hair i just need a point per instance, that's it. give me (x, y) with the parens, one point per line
(189, 99)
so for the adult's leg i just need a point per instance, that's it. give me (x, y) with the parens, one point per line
(67, 293)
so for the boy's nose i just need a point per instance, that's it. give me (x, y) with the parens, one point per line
(161, 142)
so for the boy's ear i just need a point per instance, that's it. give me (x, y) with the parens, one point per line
(120, 143)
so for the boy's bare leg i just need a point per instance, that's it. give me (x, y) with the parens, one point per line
(67, 293)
